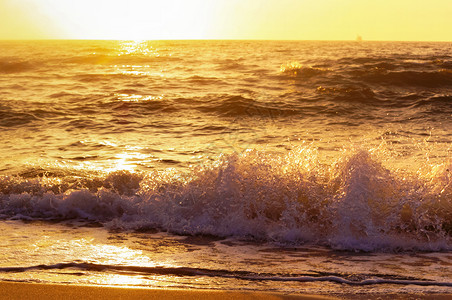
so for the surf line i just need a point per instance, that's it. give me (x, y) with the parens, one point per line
(242, 275)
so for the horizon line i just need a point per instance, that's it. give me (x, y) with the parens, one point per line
(228, 39)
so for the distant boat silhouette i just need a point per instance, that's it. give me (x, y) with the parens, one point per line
(359, 38)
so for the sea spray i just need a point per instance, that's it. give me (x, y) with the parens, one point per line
(354, 203)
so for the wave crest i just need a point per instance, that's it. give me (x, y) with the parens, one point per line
(14, 66)
(355, 203)
(295, 69)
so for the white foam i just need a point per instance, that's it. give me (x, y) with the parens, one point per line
(355, 203)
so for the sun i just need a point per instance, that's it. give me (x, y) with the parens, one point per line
(131, 19)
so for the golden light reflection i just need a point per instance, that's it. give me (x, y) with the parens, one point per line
(122, 163)
(108, 143)
(138, 98)
(115, 255)
(127, 161)
(145, 51)
(139, 71)
(137, 47)
(112, 255)
(122, 280)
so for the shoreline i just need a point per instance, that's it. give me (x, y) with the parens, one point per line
(23, 290)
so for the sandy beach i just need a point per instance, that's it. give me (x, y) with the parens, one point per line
(17, 290)
(14, 290)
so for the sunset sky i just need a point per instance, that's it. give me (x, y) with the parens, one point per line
(405, 20)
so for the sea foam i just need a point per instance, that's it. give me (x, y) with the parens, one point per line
(353, 203)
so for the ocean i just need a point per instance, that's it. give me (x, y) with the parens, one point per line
(276, 166)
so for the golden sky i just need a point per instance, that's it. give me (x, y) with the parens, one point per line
(403, 20)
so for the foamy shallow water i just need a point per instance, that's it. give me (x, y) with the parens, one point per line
(70, 253)
(277, 166)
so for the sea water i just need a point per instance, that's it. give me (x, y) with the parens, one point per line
(294, 167)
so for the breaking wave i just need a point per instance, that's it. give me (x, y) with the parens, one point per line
(355, 203)
(295, 69)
